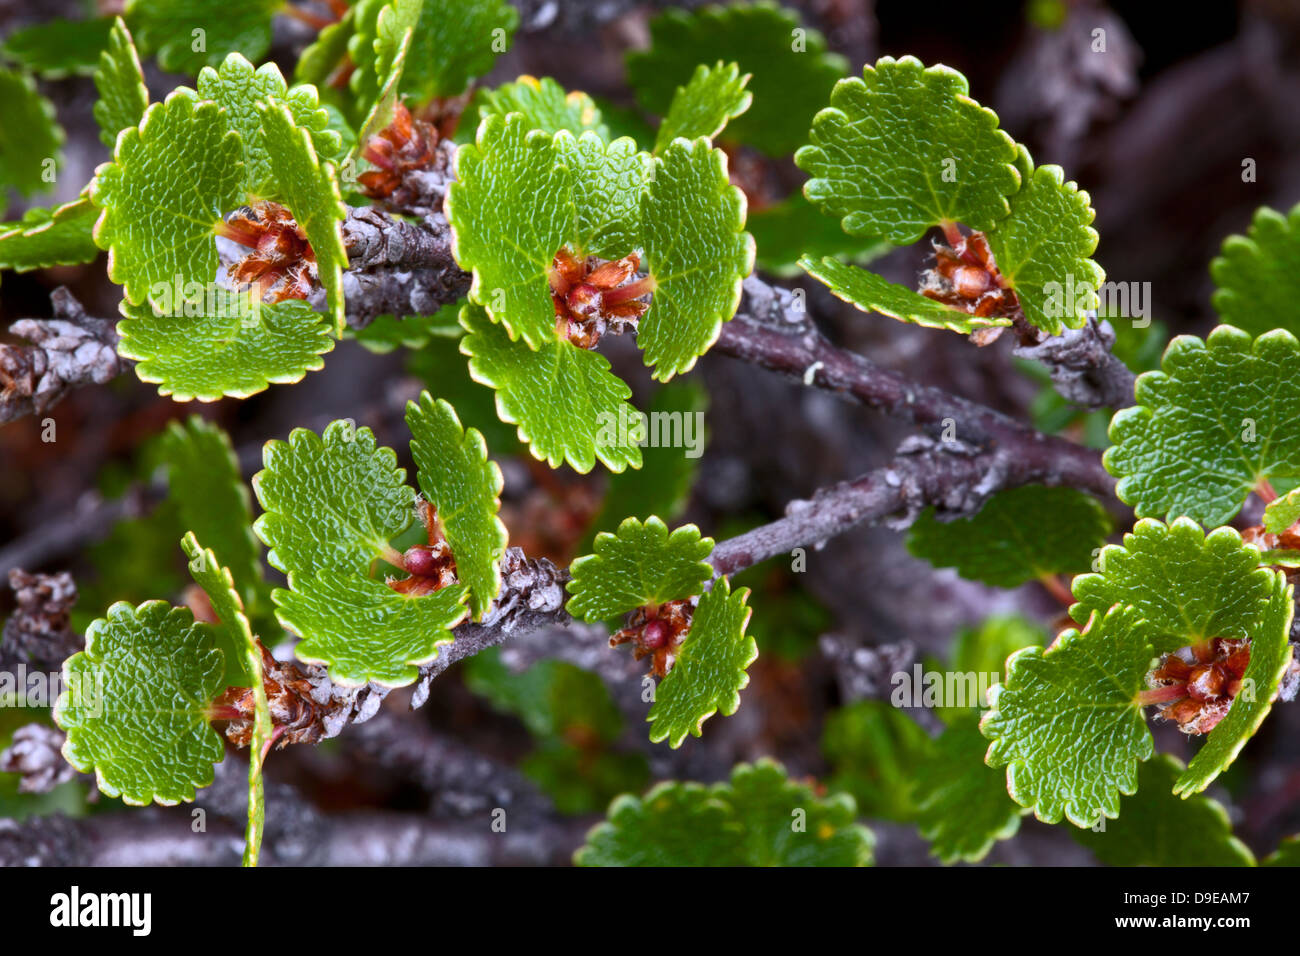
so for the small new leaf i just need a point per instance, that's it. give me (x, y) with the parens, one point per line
(1066, 722)
(233, 633)
(123, 96)
(608, 183)
(709, 673)
(697, 252)
(704, 105)
(638, 565)
(463, 485)
(135, 704)
(1019, 535)
(242, 90)
(792, 72)
(332, 501)
(545, 106)
(904, 149)
(1209, 427)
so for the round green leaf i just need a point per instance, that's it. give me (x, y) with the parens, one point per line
(904, 149)
(1066, 722)
(164, 194)
(1019, 535)
(1187, 585)
(638, 565)
(1209, 427)
(332, 501)
(136, 702)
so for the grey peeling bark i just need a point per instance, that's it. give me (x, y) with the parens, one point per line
(64, 352)
(1082, 367)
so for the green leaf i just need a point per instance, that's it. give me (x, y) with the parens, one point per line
(566, 402)
(697, 252)
(212, 501)
(872, 293)
(50, 237)
(709, 672)
(1258, 274)
(704, 105)
(234, 636)
(962, 804)
(324, 55)
(310, 189)
(1286, 854)
(675, 824)
(59, 48)
(1042, 250)
(164, 194)
(792, 72)
(388, 332)
(984, 650)
(608, 183)
(1189, 586)
(135, 704)
(874, 749)
(638, 565)
(1283, 512)
(662, 485)
(793, 228)
(904, 149)
(455, 42)
(395, 33)
(1209, 427)
(1022, 534)
(30, 136)
(231, 345)
(365, 631)
(171, 30)
(459, 480)
(243, 668)
(747, 822)
(1153, 827)
(442, 369)
(377, 48)
(123, 96)
(545, 105)
(332, 501)
(1270, 655)
(1066, 722)
(511, 209)
(243, 90)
